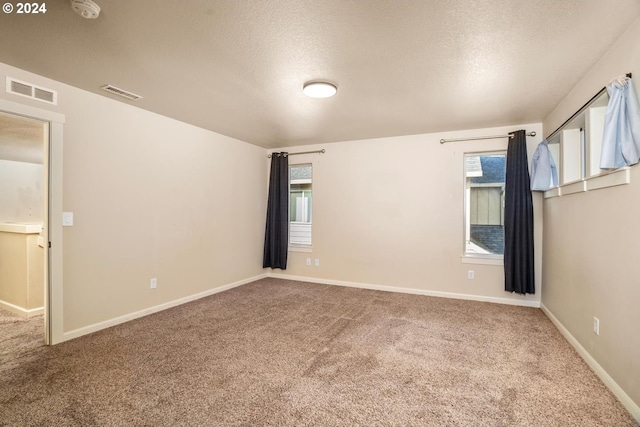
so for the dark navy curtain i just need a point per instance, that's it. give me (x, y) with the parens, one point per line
(276, 237)
(518, 219)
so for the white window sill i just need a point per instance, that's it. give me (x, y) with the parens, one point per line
(307, 249)
(467, 259)
(620, 176)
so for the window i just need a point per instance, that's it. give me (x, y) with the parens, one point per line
(579, 142)
(300, 205)
(484, 204)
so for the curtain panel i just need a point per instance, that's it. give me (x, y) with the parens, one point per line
(621, 139)
(276, 237)
(518, 219)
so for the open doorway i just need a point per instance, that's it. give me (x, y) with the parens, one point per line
(24, 147)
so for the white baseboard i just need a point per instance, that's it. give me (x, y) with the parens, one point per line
(453, 295)
(66, 336)
(611, 384)
(23, 312)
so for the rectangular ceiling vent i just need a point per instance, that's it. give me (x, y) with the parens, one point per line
(121, 92)
(29, 90)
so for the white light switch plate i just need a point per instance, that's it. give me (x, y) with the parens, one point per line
(67, 219)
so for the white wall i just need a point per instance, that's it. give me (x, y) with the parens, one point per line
(591, 247)
(21, 192)
(389, 212)
(151, 197)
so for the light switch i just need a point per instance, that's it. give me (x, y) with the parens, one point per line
(67, 219)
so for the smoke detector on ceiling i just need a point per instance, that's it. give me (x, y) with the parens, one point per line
(85, 8)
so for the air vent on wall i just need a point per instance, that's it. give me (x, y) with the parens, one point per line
(121, 92)
(32, 91)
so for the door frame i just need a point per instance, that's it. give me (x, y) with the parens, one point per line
(52, 216)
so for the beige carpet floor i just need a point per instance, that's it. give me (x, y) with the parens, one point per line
(283, 353)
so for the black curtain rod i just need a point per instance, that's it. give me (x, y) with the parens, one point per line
(303, 152)
(584, 107)
(475, 138)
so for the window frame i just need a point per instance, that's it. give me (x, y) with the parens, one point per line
(467, 257)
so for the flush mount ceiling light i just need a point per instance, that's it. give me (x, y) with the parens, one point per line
(319, 89)
(85, 8)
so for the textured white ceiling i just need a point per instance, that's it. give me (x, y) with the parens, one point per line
(402, 67)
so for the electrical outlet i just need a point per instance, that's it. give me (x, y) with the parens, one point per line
(154, 283)
(317, 262)
(471, 275)
(596, 326)
(308, 261)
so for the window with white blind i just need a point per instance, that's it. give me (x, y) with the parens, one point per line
(300, 205)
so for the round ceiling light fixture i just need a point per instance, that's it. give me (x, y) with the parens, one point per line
(319, 89)
(85, 8)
